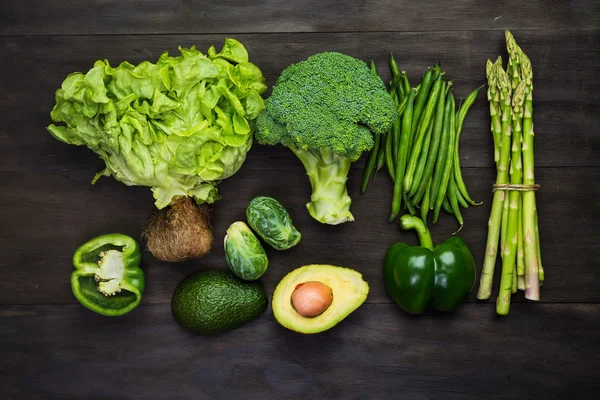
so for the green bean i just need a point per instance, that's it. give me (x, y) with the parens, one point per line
(402, 155)
(461, 199)
(373, 68)
(409, 205)
(397, 79)
(425, 204)
(442, 154)
(447, 165)
(394, 65)
(421, 164)
(435, 145)
(423, 127)
(464, 109)
(396, 82)
(460, 118)
(395, 137)
(420, 99)
(370, 165)
(454, 202)
(405, 82)
(380, 158)
(402, 106)
(446, 206)
(389, 153)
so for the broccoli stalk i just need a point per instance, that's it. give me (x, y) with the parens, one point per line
(327, 172)
(326, 109)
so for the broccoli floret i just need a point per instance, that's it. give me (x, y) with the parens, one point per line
(326, 109)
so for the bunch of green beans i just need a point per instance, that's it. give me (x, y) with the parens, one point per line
(420, 152)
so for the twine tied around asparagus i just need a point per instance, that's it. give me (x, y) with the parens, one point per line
(516, 187)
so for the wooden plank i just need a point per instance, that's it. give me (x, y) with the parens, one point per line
(48, 214)
(545, 351)
(566, 93)
(55, 17)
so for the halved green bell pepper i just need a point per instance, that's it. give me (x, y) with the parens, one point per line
(107, 277)
(419, 276)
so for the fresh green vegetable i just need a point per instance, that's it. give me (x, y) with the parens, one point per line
(325, 109)
(421, 163)
(315, 298)
(425, 204)
(440, 163)
(534, 272)
(272, 222)
(520, 251)
(420, 101)
(244, 253)
(453, 198)
(461, 199)
(380, 157)
(179, 126)
(446, 205)
(419, 276)
(513, 207)
(402, 156)
(107, 278)
(211, 302)
(370, 164)
(460, 118)
(389, 153)
(491, 248)
(423, 155)
(373, 153)
(447, 171)
(509, 249)
(421, 133)
(435, 145)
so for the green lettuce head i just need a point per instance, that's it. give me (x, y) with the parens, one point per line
(178, 126)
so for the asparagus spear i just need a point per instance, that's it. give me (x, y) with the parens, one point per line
(487, 272)
(513, 68)
(530, 245)
(493, 96)
(539, 253)
(509, 250)
(520, 255)
(503, 225)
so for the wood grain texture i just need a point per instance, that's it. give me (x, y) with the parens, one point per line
(78, 211)
(66, 352)
(567, 89)
(57, 17)
(53, 348)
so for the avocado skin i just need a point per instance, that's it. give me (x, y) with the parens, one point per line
(211, 302)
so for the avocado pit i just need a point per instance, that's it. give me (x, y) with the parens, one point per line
(311, 299)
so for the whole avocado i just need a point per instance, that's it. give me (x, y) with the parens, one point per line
(211, 302)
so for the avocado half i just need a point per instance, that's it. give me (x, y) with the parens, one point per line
(349, 292)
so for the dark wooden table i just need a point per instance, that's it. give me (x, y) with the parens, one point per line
(53, 348)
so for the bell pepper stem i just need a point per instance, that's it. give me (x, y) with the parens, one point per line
(408, 222)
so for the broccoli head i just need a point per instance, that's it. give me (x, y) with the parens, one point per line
(326, 109)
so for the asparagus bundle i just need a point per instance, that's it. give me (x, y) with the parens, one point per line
(513, 218)
(421, 151)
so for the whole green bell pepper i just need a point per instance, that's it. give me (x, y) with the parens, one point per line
(107, 278)
(419, 276)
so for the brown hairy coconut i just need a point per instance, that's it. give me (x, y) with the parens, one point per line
(180, 231)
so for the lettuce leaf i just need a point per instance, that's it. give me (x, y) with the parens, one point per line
(179, 126)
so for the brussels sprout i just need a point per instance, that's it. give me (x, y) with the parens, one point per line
(244, 253)
(272, 223)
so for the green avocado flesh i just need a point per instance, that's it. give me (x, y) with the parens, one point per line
(211, 302)
(349, 292)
